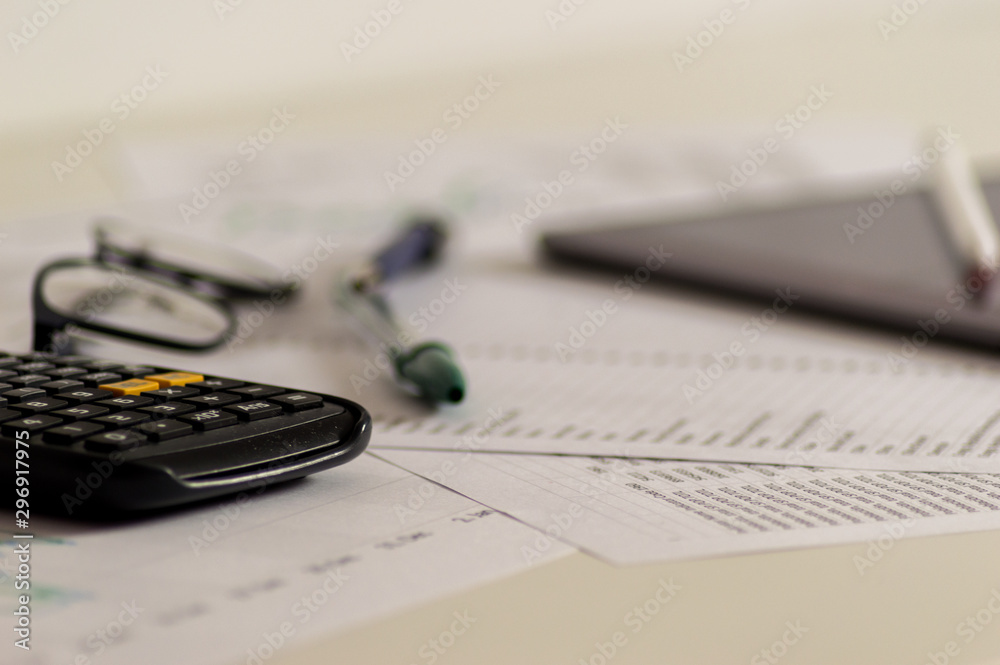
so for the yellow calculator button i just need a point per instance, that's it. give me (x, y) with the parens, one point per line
(174, 378)
(130, 387)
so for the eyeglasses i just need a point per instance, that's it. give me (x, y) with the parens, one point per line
(159, 289)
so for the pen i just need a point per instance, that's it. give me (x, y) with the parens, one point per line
(967, 216)
(427, 368)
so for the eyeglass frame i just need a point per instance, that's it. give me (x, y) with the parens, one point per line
(56, 329)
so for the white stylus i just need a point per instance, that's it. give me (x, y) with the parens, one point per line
(967, 216)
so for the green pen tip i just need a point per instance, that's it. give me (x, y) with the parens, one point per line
(432, 369)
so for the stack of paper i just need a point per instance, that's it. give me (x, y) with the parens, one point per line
(602, 414)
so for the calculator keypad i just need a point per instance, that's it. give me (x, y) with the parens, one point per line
(107, 407)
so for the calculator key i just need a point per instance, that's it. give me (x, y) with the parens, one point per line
(132, 371)
(212, 400)
(213, 385)
(256, 410)
(109, 442)
(18, 395)
(9, 361)
(81, 395)
(130, 386)
(97, 378)
(205, 420)
(32, 424)
(81, 412)
(70, 360)
(6, 374)
(175, 378)
(9, 414)
(36, 355)
(162, 430)
(122, 419)
(36, 367)
(172, 393)
(59, 386)
(39, 405)
(4, 387)
(27, 380)
(298, 401)
(167, 409)
(256, 391)
(100, 365)
(124, 402)
(64, 372)
(67, 434)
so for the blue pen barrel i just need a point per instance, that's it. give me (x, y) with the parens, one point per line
(419, 244)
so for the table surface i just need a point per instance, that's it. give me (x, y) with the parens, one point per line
(907, 64)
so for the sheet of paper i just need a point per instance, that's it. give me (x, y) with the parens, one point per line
(577, 366)
(256, 572)
(630, 511)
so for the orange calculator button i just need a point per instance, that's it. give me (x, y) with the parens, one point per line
(130, 387)
(174, 378)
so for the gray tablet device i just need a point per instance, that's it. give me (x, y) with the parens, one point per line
(885, 259)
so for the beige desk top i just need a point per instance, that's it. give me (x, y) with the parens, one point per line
(607, 59)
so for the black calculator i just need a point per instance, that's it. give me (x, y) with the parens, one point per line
(84, 437)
